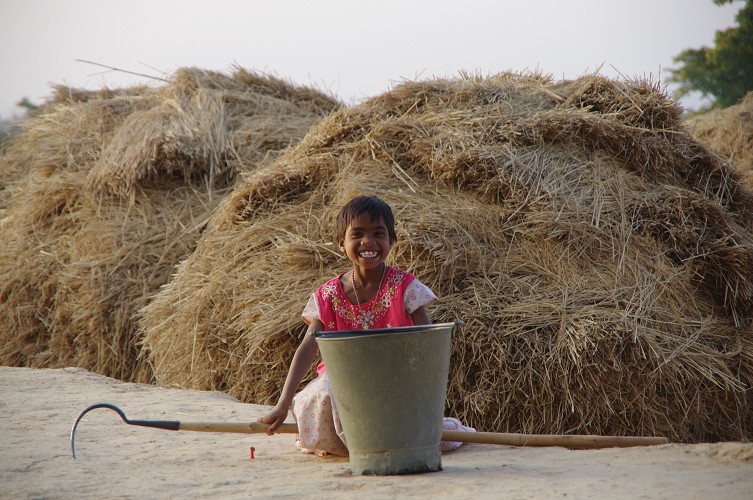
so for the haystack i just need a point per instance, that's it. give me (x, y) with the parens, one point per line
(600, 257)
(729, 131)
(105, 192)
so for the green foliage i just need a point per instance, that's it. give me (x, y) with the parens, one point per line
(723, 73)
(7, 128)
(27, 105)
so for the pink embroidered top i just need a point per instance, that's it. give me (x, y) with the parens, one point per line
(400, 296)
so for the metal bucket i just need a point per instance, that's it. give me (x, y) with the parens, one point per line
(390, 386)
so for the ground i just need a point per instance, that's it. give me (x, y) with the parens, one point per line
(38, 408)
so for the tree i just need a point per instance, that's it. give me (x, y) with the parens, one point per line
(6, 126)
(723, 73)
(29, 106)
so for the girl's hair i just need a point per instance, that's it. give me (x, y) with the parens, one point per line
(373, 206)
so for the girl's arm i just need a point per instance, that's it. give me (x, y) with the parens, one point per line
(299, 367)
(420, 317)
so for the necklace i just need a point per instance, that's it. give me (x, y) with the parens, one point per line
(355, 291)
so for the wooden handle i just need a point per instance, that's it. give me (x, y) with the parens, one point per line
(241, 428)
(572, 441)
(508, 439)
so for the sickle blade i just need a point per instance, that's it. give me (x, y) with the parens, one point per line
(87, 410)
(170, 425)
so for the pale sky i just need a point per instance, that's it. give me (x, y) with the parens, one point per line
(353, 49)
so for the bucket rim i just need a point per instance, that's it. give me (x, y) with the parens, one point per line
(401, 330)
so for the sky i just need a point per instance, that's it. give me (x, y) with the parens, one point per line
(352, 49)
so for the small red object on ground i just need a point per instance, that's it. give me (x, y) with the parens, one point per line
(251, 452)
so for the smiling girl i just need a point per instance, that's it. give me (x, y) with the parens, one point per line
(370, 295)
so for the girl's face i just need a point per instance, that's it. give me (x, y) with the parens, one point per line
(367, 242)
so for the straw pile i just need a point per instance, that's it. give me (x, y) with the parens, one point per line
(105, 192)
(730, 132)
(599, 255)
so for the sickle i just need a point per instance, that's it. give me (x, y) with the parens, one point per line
(175, 425)
(508, 439)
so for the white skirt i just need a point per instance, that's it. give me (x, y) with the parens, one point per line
(319, 428)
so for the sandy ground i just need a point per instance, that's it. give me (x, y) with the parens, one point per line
(115, 460)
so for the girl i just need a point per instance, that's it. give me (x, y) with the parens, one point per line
(371, 295)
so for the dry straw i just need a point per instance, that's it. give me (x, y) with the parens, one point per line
(600, 256)
(730, 132)
(105, 192)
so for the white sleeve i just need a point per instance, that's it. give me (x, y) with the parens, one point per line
(311, 311)
(417, 295)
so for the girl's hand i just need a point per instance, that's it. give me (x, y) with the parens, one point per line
(275, 418)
